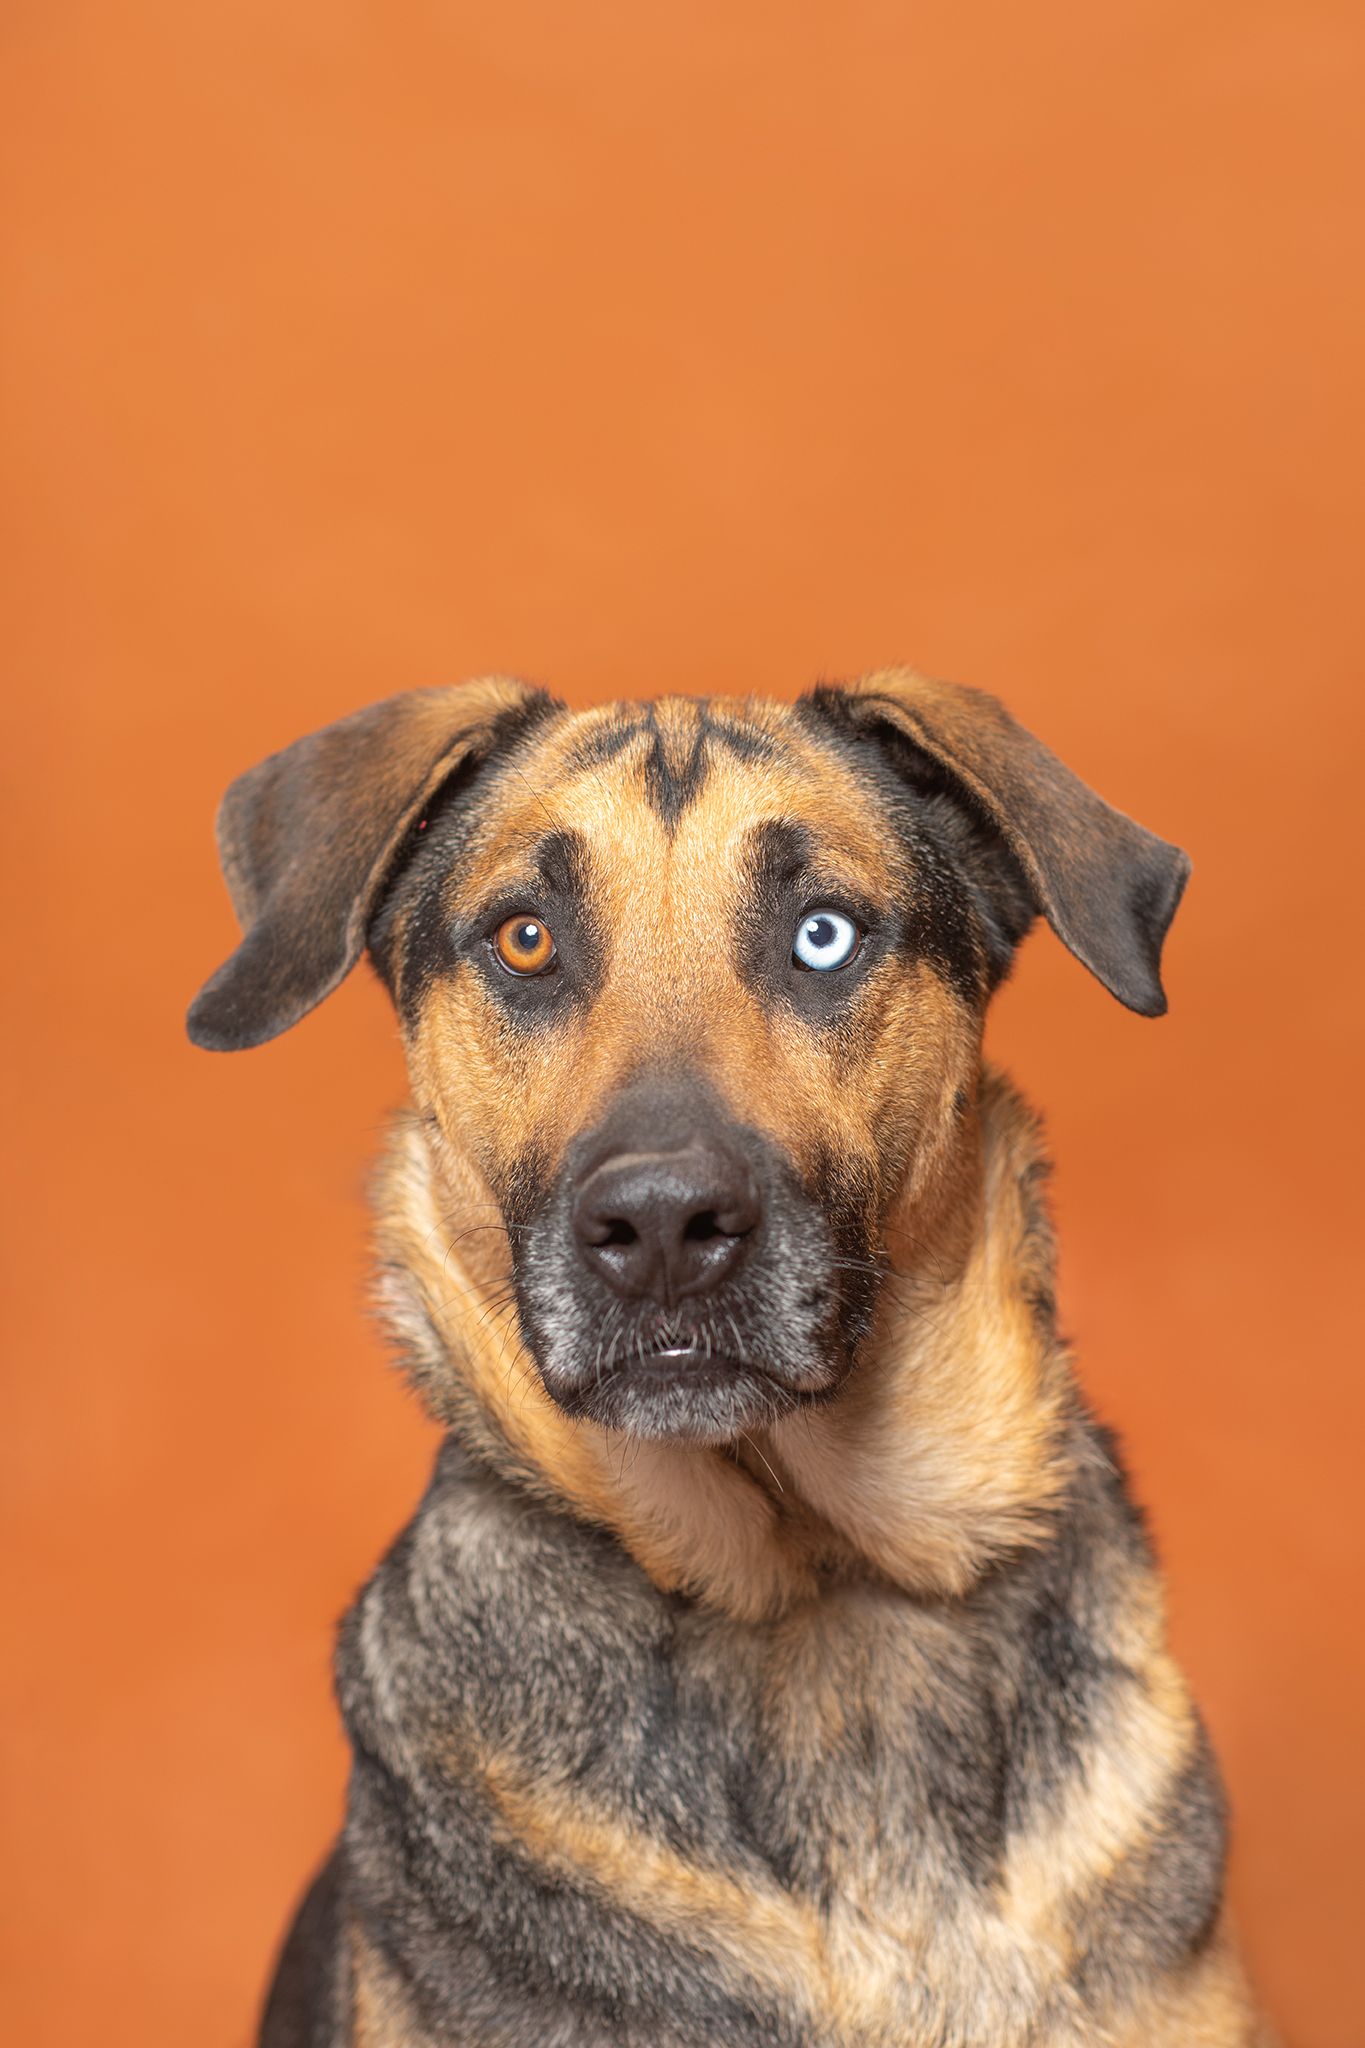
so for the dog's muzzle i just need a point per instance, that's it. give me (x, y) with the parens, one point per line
(679, 1279)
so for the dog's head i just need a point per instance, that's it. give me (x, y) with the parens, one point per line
(692, 992)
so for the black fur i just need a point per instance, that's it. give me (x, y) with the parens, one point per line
(310, 1998)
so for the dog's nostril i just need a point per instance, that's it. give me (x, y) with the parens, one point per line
(699, 1229)
(604, 1231)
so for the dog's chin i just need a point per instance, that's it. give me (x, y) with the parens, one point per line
(680, 1396)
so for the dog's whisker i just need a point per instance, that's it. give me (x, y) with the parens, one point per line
(745, 1438)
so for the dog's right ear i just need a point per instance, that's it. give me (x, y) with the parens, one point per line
(307, 839)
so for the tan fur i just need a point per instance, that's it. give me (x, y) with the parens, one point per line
(948, 1446)
(1206, 2006)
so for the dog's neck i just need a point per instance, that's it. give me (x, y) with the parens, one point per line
(949, 1446)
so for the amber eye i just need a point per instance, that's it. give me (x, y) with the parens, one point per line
(523, 945)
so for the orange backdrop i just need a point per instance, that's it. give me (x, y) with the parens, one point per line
(635, 348)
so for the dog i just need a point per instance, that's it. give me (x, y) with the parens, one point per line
(777, 1658)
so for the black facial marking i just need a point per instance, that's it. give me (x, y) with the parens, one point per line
(966, 901)
(745, 742)
(602, 743)
(678, 753)
(558, 892)
(673, 782)
(437, 842)
(522, 1190)
(781, 853)
(561, 862)
(848, 1200)
(786, 881)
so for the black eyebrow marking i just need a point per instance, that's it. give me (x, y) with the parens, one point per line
(777, 853)
(560, 860)
(678, 755)
(596, 748)
(745, 742)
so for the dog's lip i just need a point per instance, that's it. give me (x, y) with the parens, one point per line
(681, 1394)
(692, 1392)
(666, 1368)
(667, 1360)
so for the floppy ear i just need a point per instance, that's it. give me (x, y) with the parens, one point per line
(1108, 888)
(307, 838)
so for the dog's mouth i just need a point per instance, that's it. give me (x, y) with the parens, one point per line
(710, 1370)
(697, 1387)
(680, 1394)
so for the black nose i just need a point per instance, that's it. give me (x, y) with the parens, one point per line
(666, 1224)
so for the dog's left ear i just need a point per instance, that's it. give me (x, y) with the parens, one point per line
(1108, 888)
(307, 840)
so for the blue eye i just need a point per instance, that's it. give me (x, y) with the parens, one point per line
(824, 940)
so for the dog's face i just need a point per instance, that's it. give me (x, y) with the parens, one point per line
(692, 994)
(659, 979)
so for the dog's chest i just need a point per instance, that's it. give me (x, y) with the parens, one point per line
(778, 1834)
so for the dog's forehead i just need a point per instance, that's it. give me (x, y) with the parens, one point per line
(684, 787)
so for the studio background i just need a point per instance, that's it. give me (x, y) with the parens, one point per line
(634, 349)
